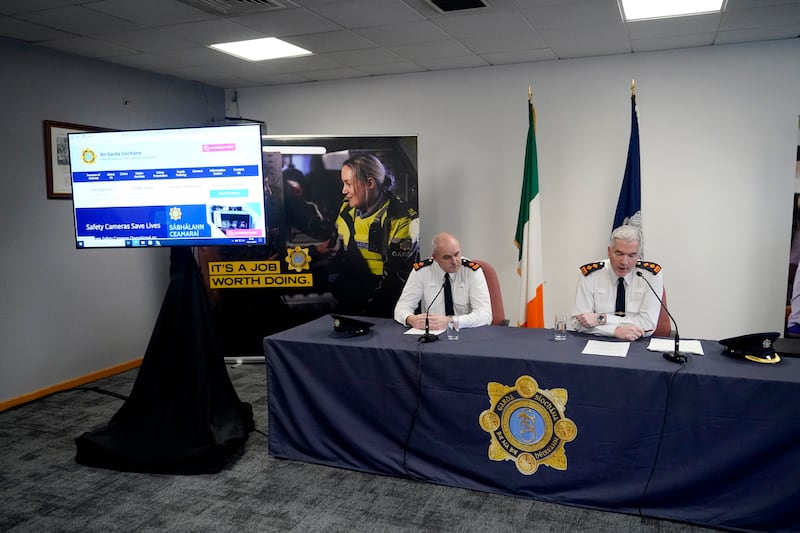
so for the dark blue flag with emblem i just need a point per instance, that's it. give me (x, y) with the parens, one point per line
(629, 205)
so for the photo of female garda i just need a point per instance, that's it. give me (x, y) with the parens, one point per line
(376, 243)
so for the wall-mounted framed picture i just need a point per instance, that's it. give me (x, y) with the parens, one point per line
(59, 181)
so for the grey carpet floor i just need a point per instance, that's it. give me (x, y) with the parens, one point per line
(43, 489)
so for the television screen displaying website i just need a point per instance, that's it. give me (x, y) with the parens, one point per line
(200, 186)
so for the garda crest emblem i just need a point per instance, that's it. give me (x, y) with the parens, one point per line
(297, 259)
(527, 425)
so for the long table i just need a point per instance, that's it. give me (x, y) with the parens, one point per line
(715, 442)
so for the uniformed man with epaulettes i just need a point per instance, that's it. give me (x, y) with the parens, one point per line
(612, 298)
(424, 290)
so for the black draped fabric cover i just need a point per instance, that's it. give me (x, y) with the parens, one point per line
(183, 415)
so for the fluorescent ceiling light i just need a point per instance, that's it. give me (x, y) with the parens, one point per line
(260, 49)
(653, 9)
(304, 150)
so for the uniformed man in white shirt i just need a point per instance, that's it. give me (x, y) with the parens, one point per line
(425, 289)
(612, 299)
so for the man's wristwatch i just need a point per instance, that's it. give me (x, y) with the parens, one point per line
(601, 319)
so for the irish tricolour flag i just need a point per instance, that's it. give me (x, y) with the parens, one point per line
(528, 238)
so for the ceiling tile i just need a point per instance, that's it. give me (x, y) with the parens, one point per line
(671, 42)
(78, 20)
(10, 7)
(287, 22)
(442, 49)
(28, 31)
(147, 40)
(331, 41)
(580, 37)
(363, 13)
(520, 56)
(758, 34)
(422, 31)
(566, 15)
(441, 63)
(778, 15)
(504, 43)
(88, 47)
(484, 24)
(371, 56)
(403, 67)
(150, 12)
(336, 74)
(213, 31)
(591, 50)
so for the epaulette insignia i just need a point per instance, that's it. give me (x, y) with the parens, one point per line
(424, 263)
(588, 268)
(470, 264)
(654, 268)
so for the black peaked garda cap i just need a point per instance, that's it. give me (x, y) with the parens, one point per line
(345, 326)
(756, 347)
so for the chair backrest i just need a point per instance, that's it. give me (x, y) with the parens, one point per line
(495, 293)
(663, 326)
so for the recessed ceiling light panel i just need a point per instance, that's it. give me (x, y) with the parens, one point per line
(260, 49)
(654, 9)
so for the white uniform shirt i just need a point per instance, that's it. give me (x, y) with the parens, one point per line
(471, 301)
(597, 293)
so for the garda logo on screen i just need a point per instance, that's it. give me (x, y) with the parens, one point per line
(88, 156)
(527, 425)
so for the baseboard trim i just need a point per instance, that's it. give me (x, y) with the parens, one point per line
(71, 384)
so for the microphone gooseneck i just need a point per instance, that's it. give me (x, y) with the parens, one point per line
(676, 356)
(428, 336)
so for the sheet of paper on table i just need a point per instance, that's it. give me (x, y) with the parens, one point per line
(416, 331)
(609, 349)
(668, 345)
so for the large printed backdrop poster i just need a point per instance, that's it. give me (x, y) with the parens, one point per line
(342, 237)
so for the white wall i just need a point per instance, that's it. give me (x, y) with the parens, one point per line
(718, 128)
(66, 313)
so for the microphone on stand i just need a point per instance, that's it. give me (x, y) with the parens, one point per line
(676, 356)
(428, 336)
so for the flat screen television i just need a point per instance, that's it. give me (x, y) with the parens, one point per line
(199, 186)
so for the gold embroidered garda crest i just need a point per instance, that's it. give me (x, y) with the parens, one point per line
(527, 425)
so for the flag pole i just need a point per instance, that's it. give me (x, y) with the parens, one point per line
(528, 237)
(633, 87)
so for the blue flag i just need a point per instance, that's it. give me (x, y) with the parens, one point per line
(629, 205)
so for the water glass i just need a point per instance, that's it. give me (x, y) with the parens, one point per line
(452, 329)
(560, 328)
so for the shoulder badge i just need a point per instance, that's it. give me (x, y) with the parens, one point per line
(472, 265)
(424, 263)
(653, 268)
(594, 266)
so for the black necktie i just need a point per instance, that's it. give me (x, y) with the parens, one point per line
(448, 297)
(619, 309)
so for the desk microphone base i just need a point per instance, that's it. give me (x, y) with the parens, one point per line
(676, 357)
(428, 337)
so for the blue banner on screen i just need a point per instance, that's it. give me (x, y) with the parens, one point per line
(170, 187)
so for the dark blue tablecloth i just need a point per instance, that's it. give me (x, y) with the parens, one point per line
(716, 442)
